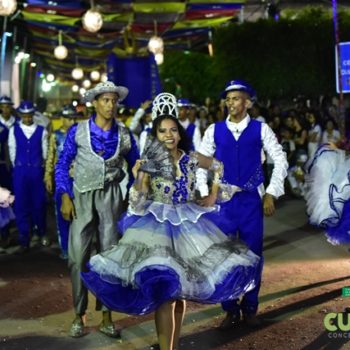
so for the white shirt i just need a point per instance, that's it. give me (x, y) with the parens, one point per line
(196, 139)
(8, 123)
(260, 118)
(143, 137)
(270, 145)
(134, 125)
(28, 131)
(316, 129)
(334, 137)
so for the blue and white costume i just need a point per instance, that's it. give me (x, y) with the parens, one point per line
(28, 150)
(239, 146)
(170, 251)
(328, 193)
(191, 129)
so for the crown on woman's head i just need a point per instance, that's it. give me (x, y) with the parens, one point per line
(164, 104)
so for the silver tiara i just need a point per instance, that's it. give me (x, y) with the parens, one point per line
(164, 104)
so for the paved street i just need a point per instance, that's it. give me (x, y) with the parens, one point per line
(302, 282)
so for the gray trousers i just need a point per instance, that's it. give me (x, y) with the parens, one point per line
(93, 230)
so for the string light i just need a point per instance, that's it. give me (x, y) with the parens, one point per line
(86, 83)
(156, 46)
(95, 75)
(77, 73)
(60, 51)
(50, 77)
(92, 19)
(104, 77)
(159, 57)
(7, 7)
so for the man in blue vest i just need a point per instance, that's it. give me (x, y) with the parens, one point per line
(28, 149)
(238, 142)
(192, 130)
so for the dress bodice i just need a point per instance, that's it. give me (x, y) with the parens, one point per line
(180, 190)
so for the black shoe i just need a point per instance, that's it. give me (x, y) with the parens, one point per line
(251, 320)
(230, 321)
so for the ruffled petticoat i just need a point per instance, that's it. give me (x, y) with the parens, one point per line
(170, 252)
(328, 193)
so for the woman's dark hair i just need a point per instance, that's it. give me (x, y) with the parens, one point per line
(184, 143)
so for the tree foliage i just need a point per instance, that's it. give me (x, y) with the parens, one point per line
(293, 56)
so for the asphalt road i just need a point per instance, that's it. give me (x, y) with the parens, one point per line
(302, 282)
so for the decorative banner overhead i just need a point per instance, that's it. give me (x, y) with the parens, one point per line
(138, 74)
(127, 25)
(159, 7)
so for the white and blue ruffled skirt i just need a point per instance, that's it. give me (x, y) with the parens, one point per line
(170, 252)
(328, 193)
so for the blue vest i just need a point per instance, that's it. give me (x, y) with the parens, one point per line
(28, 151)
(242, 158)
(190, 132)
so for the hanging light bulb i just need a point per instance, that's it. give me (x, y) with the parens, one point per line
(50, 77)
(7, 7)
(86, 83)
(75, 88)
(95, 75)
(159, 57)
(104, 77)
(92, 19)
(77, 73)
(82, 91)
(156, 44)
(60, 51)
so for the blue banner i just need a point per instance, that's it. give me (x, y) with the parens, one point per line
(344, 65)
(139, 74)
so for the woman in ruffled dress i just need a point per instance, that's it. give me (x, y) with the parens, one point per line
(328, 191)
(170, 252)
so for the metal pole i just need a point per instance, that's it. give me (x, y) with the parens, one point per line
(3, 52)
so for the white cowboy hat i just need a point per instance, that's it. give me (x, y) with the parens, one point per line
(105, 87)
